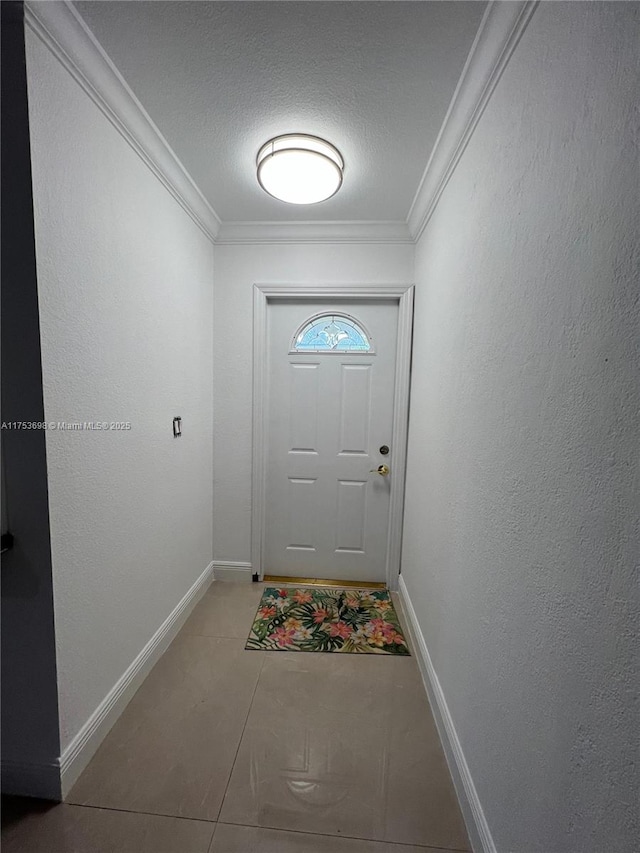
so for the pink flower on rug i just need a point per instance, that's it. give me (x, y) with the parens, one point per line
(380, 633)
(267, 612)
(283, 636)
(377, 638)
(381, 625)
(283, 593)
(339, 629)
(320, 615)
(302, 596)
(352, 602)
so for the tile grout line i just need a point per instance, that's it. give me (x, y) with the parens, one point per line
(348, 837)
(220, 637)
(216, 823)
(137, 811)
(244, 727)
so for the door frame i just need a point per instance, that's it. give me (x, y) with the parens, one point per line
(263, 294)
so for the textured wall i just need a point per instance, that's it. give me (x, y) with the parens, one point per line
(237, 269)
(125, 282)
(522, 502)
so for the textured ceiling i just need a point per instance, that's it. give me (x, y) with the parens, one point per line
(220, 78)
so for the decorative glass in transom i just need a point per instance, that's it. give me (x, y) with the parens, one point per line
(332, 333)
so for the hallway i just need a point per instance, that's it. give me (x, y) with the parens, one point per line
(276, 752)
(483, 164)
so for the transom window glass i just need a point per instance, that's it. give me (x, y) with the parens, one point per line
(332, 333)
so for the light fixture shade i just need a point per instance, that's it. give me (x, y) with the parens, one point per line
(299, 169)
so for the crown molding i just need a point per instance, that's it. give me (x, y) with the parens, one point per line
(500, 31)
(232, 233)
(63, 31)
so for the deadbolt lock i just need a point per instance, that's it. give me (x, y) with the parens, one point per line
(384, 449)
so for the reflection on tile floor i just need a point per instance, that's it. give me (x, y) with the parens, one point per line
(290, 752)
(172, 750)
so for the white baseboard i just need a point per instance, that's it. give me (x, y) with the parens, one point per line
(229, 570)
(477, 826)
(83, 746)
(31, 780)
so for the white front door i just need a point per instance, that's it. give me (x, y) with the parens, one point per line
(329, 417)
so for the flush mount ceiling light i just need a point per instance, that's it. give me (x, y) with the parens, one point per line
(299, 169)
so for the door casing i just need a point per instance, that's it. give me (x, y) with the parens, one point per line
(263, 294)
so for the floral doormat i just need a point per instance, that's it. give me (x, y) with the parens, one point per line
(327, 620)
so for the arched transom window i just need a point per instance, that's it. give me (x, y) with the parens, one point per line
(332, 333)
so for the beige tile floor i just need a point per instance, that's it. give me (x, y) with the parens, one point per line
(224, 750)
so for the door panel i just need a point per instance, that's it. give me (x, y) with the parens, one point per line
(352, 512)
(355, 403)
(328, 414)
(303, 509)
(303, 408)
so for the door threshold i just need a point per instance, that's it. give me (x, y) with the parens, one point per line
(280, 579)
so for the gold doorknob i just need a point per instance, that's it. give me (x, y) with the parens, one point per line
(383, 470)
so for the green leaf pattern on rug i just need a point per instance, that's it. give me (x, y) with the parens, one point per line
(327, 620)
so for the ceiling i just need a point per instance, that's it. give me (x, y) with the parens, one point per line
(221, 78)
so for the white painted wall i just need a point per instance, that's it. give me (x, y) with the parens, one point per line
(125, 287)
(238, 268)
(522, 503)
